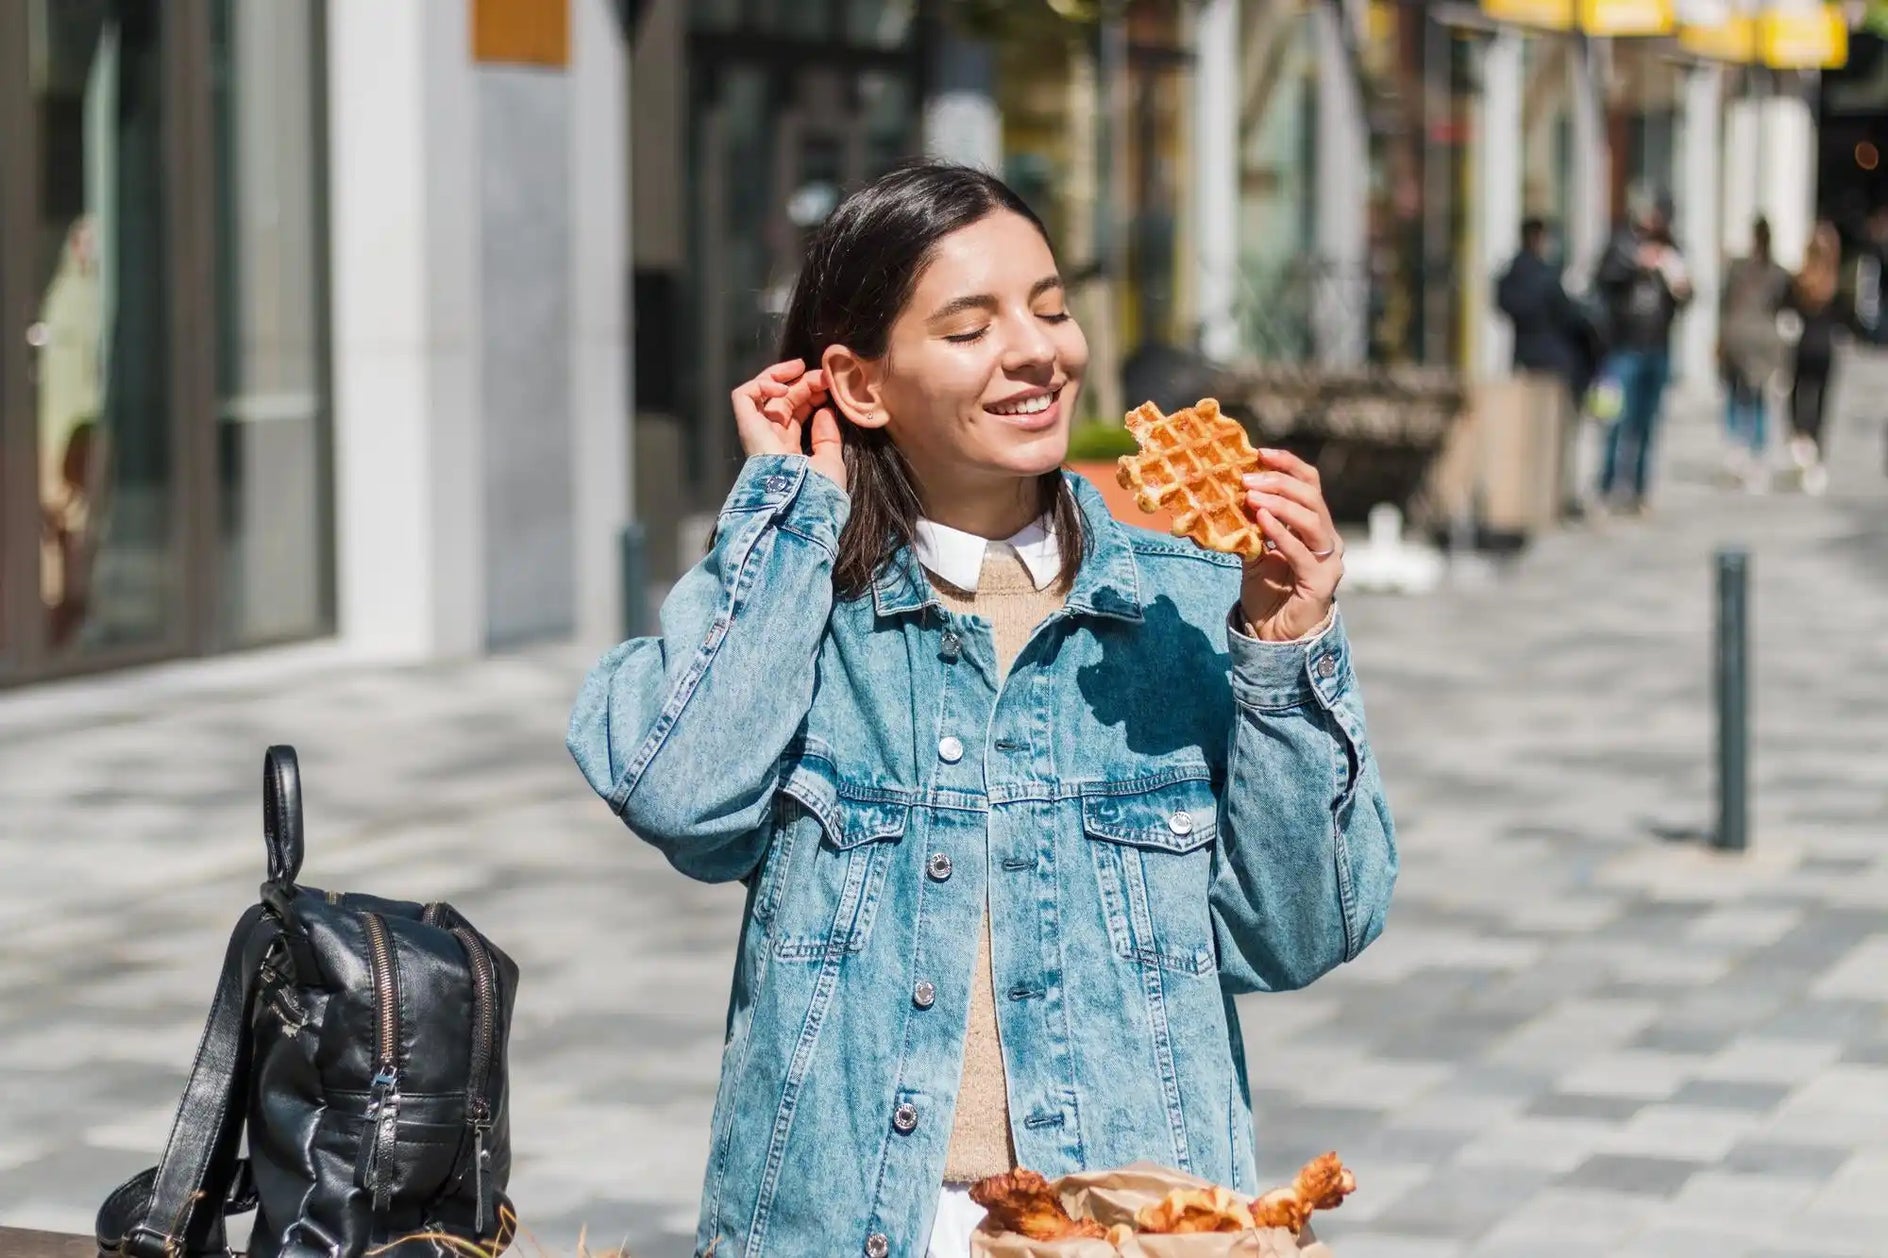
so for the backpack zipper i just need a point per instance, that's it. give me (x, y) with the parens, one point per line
(383, 1104)
(478, 1107)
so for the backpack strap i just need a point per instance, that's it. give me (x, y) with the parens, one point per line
(282, 814)
(165, 1212)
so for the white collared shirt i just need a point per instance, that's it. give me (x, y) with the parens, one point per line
(957, 557)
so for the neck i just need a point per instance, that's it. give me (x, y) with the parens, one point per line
(993, 509)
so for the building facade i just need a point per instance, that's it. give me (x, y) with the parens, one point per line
(312, 325)
(411, 326)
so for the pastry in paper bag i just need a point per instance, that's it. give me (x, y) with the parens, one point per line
(1105, 1214)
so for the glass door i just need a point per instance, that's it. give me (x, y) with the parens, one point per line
(91, 542)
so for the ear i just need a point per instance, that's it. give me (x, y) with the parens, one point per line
(855, 386)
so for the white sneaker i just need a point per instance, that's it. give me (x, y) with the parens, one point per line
(1803, 453)
(1815, 480)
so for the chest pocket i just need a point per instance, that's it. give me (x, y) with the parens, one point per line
(1153, 860)
(825, 871)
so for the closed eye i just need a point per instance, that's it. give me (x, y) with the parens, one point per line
(966, 338)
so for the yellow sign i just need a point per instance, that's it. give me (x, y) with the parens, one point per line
(1734, 39)
(1626, 17)
(1815, 40)
(521, 32)
(1555, 15)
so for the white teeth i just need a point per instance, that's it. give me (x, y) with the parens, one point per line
(1029, 406)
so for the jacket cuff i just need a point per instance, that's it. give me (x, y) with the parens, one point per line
(792, 494)
(1291, 674)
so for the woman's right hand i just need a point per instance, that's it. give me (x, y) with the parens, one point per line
(775, 410)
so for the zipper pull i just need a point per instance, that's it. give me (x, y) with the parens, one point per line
(481, 1175)
(383, 1117)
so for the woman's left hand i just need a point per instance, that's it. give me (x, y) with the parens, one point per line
(1288, 590)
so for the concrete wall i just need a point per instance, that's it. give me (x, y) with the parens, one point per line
(480, 333)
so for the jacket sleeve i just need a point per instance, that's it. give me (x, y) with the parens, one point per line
(1307, 854)
(683, 733)
(1617, 266)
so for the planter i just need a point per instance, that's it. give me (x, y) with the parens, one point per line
(1374, 435)
(1121, 505)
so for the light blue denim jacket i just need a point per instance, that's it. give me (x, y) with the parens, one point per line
(1161, 814)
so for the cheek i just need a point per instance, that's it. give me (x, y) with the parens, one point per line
(1071, 345)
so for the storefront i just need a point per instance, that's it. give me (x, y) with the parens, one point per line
(164, 391)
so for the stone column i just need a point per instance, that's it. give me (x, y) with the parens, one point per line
(1498, 195)
(1216, 176)
(1340, 308)
(1589, 211)
(961, 120)
(478, 238)
(1699, 197)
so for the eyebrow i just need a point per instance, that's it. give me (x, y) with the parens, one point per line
(983, 301)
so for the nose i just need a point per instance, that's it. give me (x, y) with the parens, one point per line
(1030, 347)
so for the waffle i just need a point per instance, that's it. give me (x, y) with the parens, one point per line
(1190, 463)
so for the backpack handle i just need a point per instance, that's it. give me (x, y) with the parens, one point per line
(282, 814)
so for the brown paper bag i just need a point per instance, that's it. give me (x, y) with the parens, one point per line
(1110, 1197)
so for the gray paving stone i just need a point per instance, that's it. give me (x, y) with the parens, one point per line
(1610, 1109)
(1657, 1177)
(1758, 1098)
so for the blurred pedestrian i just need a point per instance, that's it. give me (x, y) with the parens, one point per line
(1870, 294)
(1813, 298)
(1644, 282)
(1750, 352)
(1551, 333)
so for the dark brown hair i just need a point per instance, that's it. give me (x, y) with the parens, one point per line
(860, 269)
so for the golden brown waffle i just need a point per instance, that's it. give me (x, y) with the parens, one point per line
(1190, 463)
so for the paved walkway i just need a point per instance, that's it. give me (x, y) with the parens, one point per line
(1581, 1035)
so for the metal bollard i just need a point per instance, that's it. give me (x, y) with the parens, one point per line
(634, 571)
(1733, 699)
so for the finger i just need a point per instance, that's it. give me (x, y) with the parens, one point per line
(1290, 548)
(791, 369)
(1290, 464)
(825, 435)
(1307, 524)
(754, 428)
(1301, 492)
(801, 395)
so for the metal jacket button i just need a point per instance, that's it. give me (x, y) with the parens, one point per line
(1181, 822)
(777, 484)
(877, 1246)
(924, 995)
(1326, 667)
(949, 749)
(939, 866)
(905, 1117)
(950, 645)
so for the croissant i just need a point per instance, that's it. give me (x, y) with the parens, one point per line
(1022, 1202)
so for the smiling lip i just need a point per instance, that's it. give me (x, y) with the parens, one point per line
(1038, 421)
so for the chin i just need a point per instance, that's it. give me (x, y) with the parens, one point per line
(1041, 453)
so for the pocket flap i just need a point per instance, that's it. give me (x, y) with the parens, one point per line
(1173, 816)
(847, 818)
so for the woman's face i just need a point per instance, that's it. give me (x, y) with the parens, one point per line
(984, 364)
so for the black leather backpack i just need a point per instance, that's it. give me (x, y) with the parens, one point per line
(360, 1043)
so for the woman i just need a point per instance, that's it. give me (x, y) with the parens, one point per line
(1813, 297)
(1021, 797)
(1750, 350)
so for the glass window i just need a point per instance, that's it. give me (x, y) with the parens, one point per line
(272, 402)
(880, 23)
(110, 570)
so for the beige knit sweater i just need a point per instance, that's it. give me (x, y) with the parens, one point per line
(980, 1137)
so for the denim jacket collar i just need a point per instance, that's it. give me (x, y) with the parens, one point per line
(1107, 584)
